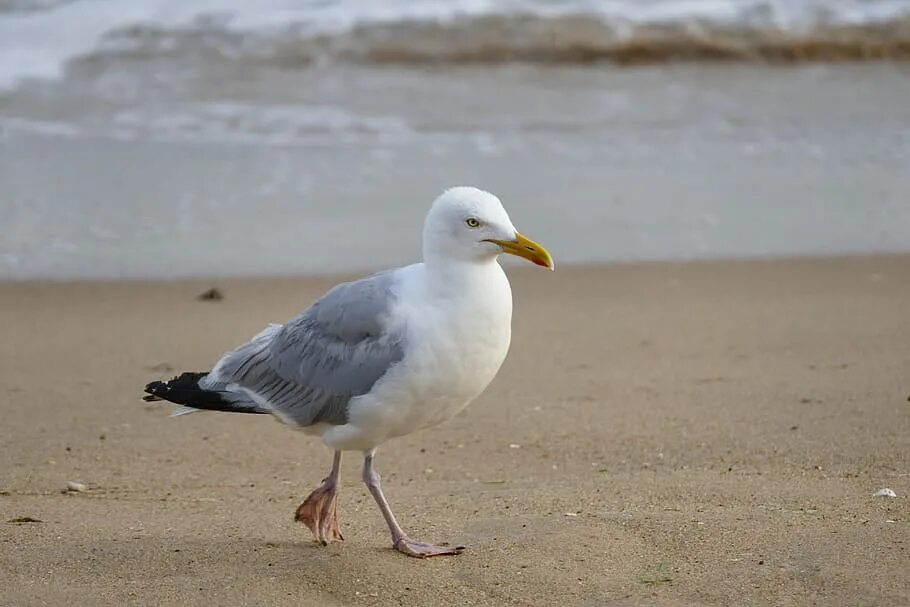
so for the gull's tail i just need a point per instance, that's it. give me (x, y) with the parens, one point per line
(185, 390)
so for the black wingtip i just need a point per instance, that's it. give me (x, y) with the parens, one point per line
(156, 390)
(162, 390)
(184, 390)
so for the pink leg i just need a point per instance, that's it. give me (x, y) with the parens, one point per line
(400, 540)
(318, 511)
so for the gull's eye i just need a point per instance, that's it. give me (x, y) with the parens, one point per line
(472, 222)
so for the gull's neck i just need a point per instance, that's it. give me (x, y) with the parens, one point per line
(448, 276)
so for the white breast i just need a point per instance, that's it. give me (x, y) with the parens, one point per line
(456, 341)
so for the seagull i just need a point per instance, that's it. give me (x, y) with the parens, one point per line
(380, 357)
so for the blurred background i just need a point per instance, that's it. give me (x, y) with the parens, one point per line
(166, 138)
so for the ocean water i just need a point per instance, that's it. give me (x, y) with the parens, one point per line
(156, 138)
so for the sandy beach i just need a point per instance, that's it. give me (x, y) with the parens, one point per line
(688, 434)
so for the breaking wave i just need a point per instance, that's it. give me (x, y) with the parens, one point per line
(524, 37)
(39, 38)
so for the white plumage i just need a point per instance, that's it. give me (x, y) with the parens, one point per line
(457, 326)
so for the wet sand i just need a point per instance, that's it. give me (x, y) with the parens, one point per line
(661, 434)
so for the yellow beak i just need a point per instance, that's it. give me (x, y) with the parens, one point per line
(527, 248)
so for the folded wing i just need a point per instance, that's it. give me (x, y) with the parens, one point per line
(308, 370)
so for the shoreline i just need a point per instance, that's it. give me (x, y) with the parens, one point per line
(510, 266)
(654, 164)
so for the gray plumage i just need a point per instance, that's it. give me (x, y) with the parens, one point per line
(307, 370)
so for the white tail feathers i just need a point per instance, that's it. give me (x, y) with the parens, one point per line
(183, 411)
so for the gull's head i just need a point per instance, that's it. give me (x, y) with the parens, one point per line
(470, 224)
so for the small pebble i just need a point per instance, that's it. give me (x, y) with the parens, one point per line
(74, 486)
(212, 294)
(885, 493)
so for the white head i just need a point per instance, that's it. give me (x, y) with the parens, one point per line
(468, 224)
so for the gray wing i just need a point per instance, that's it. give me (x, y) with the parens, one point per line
(309, 369)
